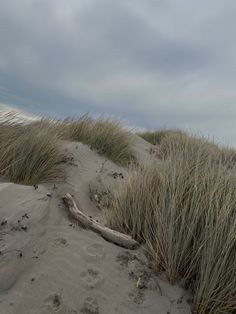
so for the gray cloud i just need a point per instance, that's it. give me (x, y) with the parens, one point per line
(154, 63)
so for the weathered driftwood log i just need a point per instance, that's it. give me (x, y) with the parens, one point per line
(110, 235)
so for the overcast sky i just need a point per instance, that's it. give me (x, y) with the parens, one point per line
(168, 63)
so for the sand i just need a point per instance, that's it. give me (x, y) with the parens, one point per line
(49, 264)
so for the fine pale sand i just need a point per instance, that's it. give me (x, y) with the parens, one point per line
(49, 264)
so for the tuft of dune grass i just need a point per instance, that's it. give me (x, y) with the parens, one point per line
(183, 210)
(106, 136)
(155, 137)
(77, 129)
(109, 139)
(29, 154)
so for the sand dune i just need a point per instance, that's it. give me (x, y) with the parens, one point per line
(49, 264)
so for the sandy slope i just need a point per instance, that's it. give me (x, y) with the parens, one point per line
(48, 264)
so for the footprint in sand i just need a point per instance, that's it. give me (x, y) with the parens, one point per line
(61, 242)
(90, 306)
(94, 251)
(91, 278)
(124, 257)
(52, 303)
(137, 296)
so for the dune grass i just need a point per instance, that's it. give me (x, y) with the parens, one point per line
(106, 136)
(155, 137)
(30, 153)
(184, 210)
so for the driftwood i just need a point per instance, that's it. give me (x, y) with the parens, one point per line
(110, 235)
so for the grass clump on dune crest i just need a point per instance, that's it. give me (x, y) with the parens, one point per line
(106, 136)
(155, 137)
(78, 130)
(176, 140)
(183, 209)
(29, 154)
(109, 138)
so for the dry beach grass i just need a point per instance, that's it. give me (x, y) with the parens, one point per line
(155, 137)
(104, 135)
(183, 210)
(30, 153)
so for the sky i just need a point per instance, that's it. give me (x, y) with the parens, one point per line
(152, 63)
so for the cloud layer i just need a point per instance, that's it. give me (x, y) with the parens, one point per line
(155, 63)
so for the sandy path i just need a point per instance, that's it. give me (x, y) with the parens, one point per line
(54, 266)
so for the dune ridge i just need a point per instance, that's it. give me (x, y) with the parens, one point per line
(53, 265)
